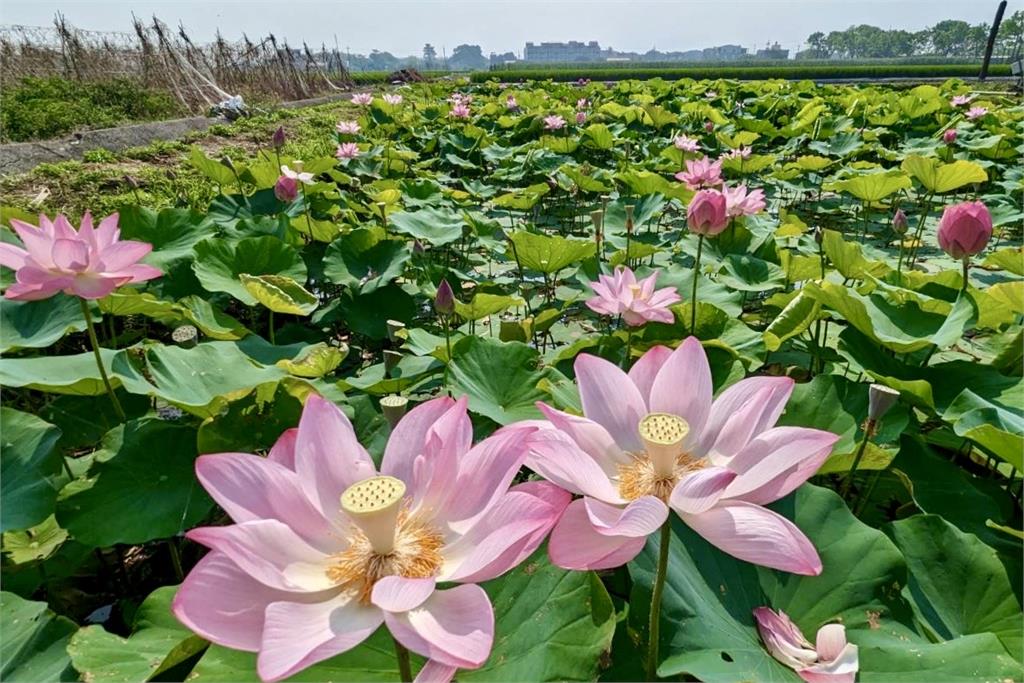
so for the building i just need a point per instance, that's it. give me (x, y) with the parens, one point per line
(724, 53)
(773, 51)
(573, 51)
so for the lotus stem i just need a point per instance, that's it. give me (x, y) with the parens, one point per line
(693, 295)
(869, 427)
(404, 667)
(270, 328)
(967, 266)
(654, 625)
(91, 329)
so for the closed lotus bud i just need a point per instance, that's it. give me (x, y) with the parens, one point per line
(965, 229)
(706, 214)
(278, 139)
(226, 161)
(132, 182)
(286, 189)
(709, 126)
(417, 247)
(880, 399)
(819, 235)
(444, 301)
(899, 222)
(949, 137)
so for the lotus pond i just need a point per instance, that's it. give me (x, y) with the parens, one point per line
(708, 381)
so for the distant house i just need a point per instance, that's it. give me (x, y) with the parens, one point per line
(724, 53)
(572, 51)
(773, 51)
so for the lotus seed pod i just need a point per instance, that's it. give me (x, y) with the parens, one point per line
(393, 406)
(880, 399)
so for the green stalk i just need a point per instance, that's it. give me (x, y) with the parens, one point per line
(270, 328)
(861, 447)
(967, 264)
(91, 329)
(693, 296)
(404, 667)
(654, 625)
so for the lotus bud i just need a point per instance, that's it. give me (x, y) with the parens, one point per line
(393, 407)
(964, 229)
(880, 399)
(417, 247)
(226, 161)
(949, 137)
(444, 301)
(819, 235)
(132, 182)
(899, 222)
(706, 214)
(709, 126)
(286, 189)
(278, 139)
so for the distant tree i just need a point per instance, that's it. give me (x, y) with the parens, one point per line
(429, 56)
(467, 58)
(1011, 31)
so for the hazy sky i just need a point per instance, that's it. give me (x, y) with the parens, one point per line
(501, 25)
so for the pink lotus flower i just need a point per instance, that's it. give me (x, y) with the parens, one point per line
(976, 113)
(830, 660)
(709, 126)
(581, 118)
(949, 137)
(636, 302)
(286, 189)
(686, 143)
(347, 150)
(392, 99)
(325, 549)
(701, 173)
(582, 103)
(297, 173)
(348, 127)
(964, 229)
(553, 122)
(655, 439)
(510, 103)
(88, 263)
(739, 202)
(961, 100)
(362, 98)
(460, 111)
(707, 213)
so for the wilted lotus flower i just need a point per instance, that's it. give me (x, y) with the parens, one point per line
(701, 173)
(444, 300)
(707, 213)
(636, 302)
(976, 112)
(278, 138)
(686, 143)
(347, 127)
(581, 118)
(830, 660)
(899, 222)
(297, 173)
(88, 263)
(553, 122)
(347, 150)
(460, 111)
(964, 229)
(655, 439)
(739, 202)
(961, 100)
(392, 99)
(325, 548)
(286, 189)
(949, 137)
(741, 152)
(510, 103)
(362, 98)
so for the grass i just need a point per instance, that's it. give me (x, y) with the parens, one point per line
(158, 175)
(42, 108)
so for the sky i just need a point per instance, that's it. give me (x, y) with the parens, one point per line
(503, 25)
